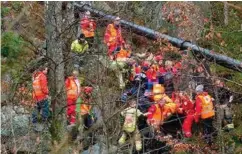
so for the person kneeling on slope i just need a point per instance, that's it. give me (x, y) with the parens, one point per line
(163, 108)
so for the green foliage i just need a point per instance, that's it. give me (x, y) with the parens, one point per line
(233, 41)
(231, 34)
(4, 11)
(236, 77)
(17, 6)
(12, 45)
(55, 128)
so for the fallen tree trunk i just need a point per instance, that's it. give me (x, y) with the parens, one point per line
(151, 34)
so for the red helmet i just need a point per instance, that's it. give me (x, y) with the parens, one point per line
(88, 90)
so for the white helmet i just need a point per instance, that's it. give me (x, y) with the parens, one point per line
(87, 13)
(199, 88)
(117, 18)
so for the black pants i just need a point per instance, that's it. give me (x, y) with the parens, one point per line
(90, 41)
(87, 120)
(208, 129)
(77, 60)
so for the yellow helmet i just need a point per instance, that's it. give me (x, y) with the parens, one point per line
(158, 91)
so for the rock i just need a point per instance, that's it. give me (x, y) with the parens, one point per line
(13, 122)
(16, 125)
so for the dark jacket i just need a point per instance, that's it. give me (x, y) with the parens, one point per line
(168, 83)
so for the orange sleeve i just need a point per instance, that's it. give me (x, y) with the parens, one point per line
(152, 110)
(44, 84)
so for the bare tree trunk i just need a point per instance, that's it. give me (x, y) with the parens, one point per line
(69, 32)
(219, 122)
(226, 19)
(56, 67)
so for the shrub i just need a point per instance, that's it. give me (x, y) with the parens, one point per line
(12, 45)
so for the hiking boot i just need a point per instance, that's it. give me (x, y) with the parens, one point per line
(70, 127)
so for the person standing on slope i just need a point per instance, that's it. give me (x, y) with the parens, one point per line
(40, 95)
(205, 111)
(113, 38)
(73, 89)
(88, 27)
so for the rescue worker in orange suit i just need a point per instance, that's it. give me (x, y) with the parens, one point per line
(163, 108)
(113, 38)
(123, 55)
(185, 106)
(85, 107)
(159, 61)
(135, 71)
(72, 84)
(205, 111)
(151, 74)
(40, 95)
(88, 27)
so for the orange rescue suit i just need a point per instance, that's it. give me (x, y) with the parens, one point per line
(71, 88)
(88, 27)
(152, 72)
(40, 89)
(159, 112)
(113, 38)
(122, 55)
(204, 106)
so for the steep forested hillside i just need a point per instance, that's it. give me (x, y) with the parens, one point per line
(37, 34)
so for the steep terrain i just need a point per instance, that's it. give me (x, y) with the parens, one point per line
(23, 27)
